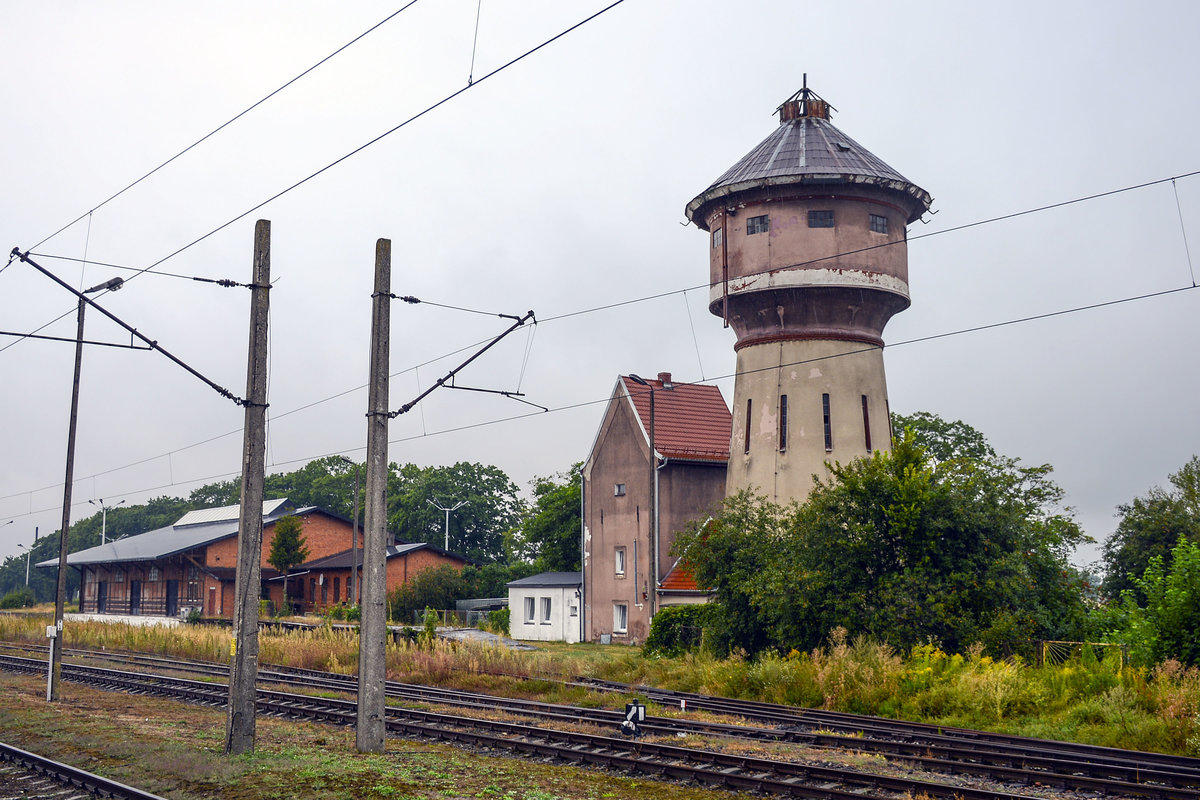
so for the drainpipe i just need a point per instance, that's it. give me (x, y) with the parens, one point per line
(657, 579)
(582, 555)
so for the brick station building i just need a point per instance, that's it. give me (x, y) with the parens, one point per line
(191, 565)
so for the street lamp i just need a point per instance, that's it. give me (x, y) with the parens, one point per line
(436, 505)
(103, 516)
(28, 555)
(54, 679)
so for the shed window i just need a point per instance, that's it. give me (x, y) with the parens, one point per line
(620, 618)
(529, 608)
(757, 225)
(878, 223)
(718, 236)
(547, 603)
(820, 219)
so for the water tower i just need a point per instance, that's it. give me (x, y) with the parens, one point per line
(807, 261)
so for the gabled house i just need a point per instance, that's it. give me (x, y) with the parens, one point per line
(191, 565)
(636, 496)
(545, 607)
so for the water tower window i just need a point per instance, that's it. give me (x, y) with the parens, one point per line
(757, 225)
(749, 406)
(718, 236)
(878, 223)
(828, 423)
(866, 423)
(618, 490)
(783, 422)
(820, 219)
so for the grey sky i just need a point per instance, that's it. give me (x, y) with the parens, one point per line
(559, 185)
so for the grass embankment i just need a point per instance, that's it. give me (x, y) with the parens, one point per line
(1084, 700)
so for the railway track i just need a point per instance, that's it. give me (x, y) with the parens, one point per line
(29, 776)
(994, 757)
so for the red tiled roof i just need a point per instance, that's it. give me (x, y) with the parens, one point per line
(691, 420)
(679, 579)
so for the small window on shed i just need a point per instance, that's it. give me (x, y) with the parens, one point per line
(529, 608)
(718, 236)
(757, 225)
(878, 223)
(547, 602)
(820, 219)
(618, 490)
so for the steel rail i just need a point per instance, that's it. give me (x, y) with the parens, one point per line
(728, 770)
(66, 775)
(1013, 764)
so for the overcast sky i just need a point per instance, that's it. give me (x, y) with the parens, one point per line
(558, 185)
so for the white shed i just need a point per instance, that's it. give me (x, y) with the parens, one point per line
(545, 607)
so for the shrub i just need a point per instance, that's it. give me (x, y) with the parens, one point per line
(498, 621)
(18, 598)
(675, 630)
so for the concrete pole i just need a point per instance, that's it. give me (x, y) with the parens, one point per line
(55, 677)
(372, 632)
(243, 668)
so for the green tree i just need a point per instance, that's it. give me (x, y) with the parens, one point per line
(287, 550)
(549, 535)
(434, 587)
(902, 546)
(491, 507)
(1161, 619)
(1151, 526)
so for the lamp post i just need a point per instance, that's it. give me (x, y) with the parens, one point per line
(446, 529)
(103, 516)
(28, 555)
(54, 679)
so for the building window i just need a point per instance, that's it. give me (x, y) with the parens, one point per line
(529, 608)
(574, 608)
(619, 561)
(749, 406)
(718, 236)
(152, 577)
(618, 490)
(193, 578)
(337, 589)
(820, 219)
(866, 423)
(118, 575)
(546, 605)
(620, 618)
(828, 423)
(757, 225)
(878, 223)
(783, 420)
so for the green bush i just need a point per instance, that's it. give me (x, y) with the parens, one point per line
(18, 598)
(498, 621)
(676, 629)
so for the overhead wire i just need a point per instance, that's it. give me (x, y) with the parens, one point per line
(597, 401)
(606, 306)
(230, 121)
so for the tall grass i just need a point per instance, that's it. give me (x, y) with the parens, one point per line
(1087, 700)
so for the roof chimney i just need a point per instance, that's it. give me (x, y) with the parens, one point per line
(665, 378)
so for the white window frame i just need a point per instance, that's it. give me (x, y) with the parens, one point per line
(620, 618)
(619, 562)
(547, 607)
(530, 609)
(618, 490)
